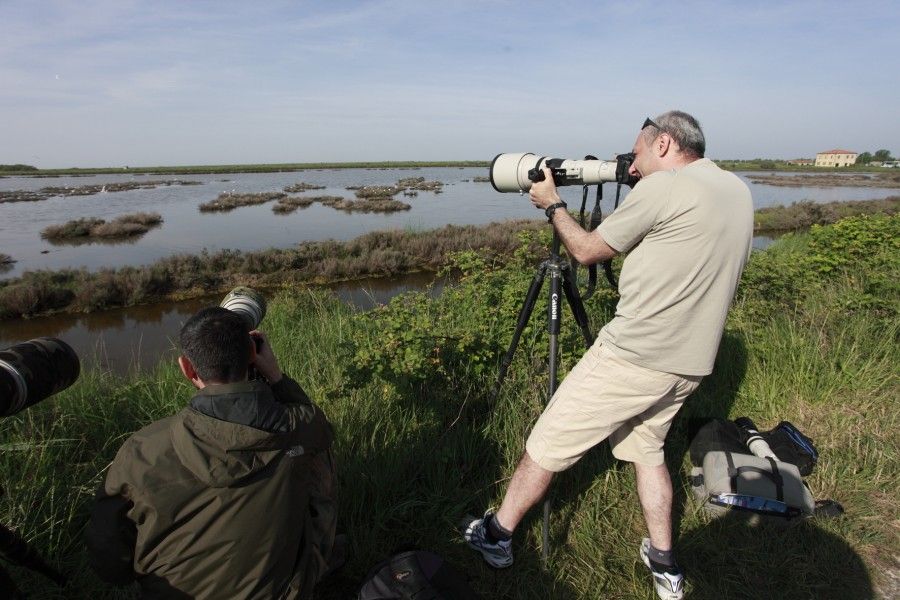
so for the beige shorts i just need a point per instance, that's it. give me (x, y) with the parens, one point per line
(605, 396)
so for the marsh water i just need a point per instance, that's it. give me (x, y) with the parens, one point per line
(122, 339)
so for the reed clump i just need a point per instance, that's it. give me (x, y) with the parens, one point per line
(228, 201)
(410, 186)
(302, 186)
(92, 228)
(290, 204)
(376, 191)
(378, 204)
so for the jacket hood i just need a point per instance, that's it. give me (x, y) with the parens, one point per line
(230, 432)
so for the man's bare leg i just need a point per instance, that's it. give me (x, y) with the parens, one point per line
(654, 489)
(528, 485)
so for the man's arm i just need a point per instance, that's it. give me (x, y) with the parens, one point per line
(308, 423)
(110, 536)
(587, 247)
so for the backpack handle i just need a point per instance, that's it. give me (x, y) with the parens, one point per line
(774, 475)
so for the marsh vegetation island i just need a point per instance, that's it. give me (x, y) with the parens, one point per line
(93, 229)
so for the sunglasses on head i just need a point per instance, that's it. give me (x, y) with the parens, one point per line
(648, 122)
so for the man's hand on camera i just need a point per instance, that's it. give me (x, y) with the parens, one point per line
(265, 361)
(543, 193)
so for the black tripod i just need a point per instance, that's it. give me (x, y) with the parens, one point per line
(561, 280)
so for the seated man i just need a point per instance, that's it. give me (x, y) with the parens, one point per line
(233, 496)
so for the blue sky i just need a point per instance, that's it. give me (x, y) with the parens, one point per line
(99, 83)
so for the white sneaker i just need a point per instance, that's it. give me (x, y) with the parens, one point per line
(497, 555)
(668, 581)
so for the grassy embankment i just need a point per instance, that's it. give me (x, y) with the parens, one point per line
(774, 164)
(812, 338)
(377, 254)
(260, 168)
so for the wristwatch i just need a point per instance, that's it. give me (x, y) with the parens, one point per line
(552, 209)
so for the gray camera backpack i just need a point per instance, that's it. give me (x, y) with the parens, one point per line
(727, 477)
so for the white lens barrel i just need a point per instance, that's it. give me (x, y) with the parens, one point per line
(509, 172)
(248, 303)
(595, 171)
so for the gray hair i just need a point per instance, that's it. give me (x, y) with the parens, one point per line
(683, 128)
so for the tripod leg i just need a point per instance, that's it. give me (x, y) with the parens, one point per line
(524, 316)
(577, 307)
(554, 325)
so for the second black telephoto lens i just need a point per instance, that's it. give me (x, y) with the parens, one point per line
(34, 370)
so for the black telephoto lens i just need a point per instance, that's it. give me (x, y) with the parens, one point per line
(34, 370)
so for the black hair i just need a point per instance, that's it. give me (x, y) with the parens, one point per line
(217, 343)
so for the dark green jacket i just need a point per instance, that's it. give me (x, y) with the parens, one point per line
(213, 502)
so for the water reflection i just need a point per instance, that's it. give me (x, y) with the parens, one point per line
(761, 242)
(136, 339)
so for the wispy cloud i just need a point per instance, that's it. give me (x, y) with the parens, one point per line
(455, 78)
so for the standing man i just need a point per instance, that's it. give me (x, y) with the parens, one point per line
(233, 496)
(687, 226)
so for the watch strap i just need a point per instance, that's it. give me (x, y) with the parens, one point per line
(552, 209)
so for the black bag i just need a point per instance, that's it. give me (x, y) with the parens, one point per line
(791, 446)
(416, 575)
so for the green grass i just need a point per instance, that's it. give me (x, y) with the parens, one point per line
(420, 442)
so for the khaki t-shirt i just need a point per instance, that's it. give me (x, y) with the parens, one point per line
(689, 231)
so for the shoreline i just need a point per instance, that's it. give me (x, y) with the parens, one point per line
(183, 276)
(770, 165)
(375, 254)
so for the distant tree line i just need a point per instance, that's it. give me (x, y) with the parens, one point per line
(879, 156)
(17, 168)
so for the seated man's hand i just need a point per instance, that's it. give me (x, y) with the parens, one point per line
(265, 361)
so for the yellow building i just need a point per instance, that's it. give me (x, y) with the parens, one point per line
(836, 158)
